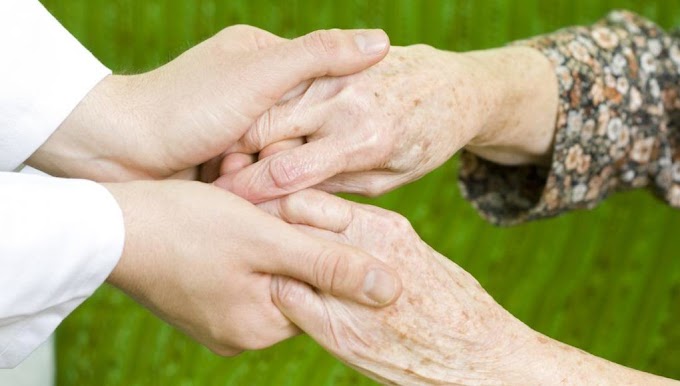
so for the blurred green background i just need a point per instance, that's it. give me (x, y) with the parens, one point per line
(607, 281)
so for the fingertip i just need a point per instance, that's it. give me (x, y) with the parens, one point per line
(233, 181)
(289, 294)
(363, 278)
(224, 182)
(236, 161)
(373, 42)
(341, 52)
(382, 286)
(281, 146)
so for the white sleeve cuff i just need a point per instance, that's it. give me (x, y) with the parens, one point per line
(44, 73)
(59, 241)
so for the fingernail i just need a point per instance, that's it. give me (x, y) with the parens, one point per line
(371, 42)
(379, 286)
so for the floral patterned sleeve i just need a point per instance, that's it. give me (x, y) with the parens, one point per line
(618, 124)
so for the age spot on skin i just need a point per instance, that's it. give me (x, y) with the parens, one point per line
(542, 340)
(426, 144)
(414, 301)
(416, 102)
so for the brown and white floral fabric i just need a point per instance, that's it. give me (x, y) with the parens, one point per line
(618, 124)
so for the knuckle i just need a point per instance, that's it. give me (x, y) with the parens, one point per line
(331, 269)
(397, 221)
(283, 173)
(375, 134)
(375, 188)
(288, 206)
(230, 342)
(253, 342)
(246, 35)
(372, 190)
(423, 48)
(241, 28)
(258, 135)
(221, 338)
(322, 43)
(349, 341)
(380, 144)
(224, 351)
(236, 30)
(356, 99)
(286, 294)
(311, 198)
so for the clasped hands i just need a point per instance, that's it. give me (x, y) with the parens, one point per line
(267, 119)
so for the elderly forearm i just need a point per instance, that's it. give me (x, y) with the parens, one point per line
(617, 83)
(549, 362)
(521, 90)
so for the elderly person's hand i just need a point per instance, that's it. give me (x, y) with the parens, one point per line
(182, 114)
(202, 259)
(444, 329)
(379, 129)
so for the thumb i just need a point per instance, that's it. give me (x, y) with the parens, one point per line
(335, 268)
(320, 53)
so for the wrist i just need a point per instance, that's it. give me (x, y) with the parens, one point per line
(519, 88)
(123, 194)
(100, 139)
(545, 361)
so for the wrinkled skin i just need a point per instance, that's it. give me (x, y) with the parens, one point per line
(366, 133)
(443, 329)
(168, 121)
(374, 131)
(202, 259)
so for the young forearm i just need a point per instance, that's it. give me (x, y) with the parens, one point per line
(97, 140)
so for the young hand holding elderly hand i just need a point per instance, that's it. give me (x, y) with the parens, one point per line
(202, 258)
(371, 132)
(180, 115)
(267, 118)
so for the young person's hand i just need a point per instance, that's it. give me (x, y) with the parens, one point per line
(182, 114)
(202, 259)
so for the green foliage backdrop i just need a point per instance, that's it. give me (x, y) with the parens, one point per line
(607, 281)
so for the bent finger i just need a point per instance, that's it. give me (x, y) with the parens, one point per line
(289, 171)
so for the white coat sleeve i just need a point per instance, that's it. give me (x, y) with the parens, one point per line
(59, 238)
(44, 73)
(59, 241)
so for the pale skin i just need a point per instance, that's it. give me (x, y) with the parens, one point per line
(207, 261)
(202, 259)
(444, 329)
(199, 257)
(372, 132)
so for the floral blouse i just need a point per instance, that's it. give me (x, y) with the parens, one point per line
(618, 124)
